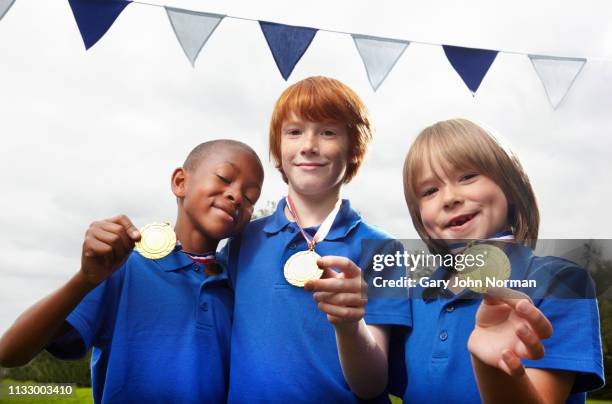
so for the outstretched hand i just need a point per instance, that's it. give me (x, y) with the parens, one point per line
(508, 328)
(340, 295)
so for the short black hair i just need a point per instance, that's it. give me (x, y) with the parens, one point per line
(202, 150)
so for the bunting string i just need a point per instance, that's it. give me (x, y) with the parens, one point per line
(288, 43)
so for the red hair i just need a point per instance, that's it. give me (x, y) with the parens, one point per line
(323, 99)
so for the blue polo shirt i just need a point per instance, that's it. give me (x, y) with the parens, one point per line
(283, 347)
(160, 331)
(438, 363)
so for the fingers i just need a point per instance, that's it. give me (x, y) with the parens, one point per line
(114, 234)
(348, 267)
(524, 307)
(342, 314)
(341, 299)
(127, 224)
(336, 285)
(511, 364)
(96, 248)
(109, 238)
(530, 345)
(506, 294)
(536, 319)
(330, 273)
(490, 300)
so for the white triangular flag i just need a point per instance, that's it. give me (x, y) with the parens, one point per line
(4, 7)
(557, 74)
(379, 55)
(192, 29)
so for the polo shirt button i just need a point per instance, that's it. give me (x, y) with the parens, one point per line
(195, 267)
(450, 309)
(292, 246)
(443, 335)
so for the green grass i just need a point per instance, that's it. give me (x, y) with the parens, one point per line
(82, 395)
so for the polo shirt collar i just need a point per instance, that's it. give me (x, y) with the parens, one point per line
(346, 219)
(174, 261)
(177, 260)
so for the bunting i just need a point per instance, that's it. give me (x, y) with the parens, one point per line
(287, 43)
(192, 29)
(5, 5)
(95, 17)
(471, 64)
(557, 75)
(379, 56)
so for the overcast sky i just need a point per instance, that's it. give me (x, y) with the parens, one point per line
(87, 135)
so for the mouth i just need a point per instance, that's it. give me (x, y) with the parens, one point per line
(309, 165)
(459, 221)
(227, 213)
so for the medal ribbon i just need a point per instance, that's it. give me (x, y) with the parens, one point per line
(504, 236)
(206, 258)
(323, 229)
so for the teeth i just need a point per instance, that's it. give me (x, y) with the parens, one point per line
(460, 221)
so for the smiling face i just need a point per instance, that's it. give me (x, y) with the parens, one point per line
(460, 204)
(217, 196)
(313, 155)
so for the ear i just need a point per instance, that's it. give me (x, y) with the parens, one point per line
(178, 182)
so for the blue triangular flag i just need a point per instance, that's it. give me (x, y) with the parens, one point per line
(5, 5)
(287, 44)
(95, 17)
(471, 63)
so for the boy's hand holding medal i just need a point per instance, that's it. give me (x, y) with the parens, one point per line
(340, 295)
(107, 245)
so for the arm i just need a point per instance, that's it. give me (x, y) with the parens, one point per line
(508, 329)
(107, 245)
(362, 349)
(533, 386)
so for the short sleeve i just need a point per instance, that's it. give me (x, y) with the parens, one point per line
(386, 304)
(90, 320)
(576, 341)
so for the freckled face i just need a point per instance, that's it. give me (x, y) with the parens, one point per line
(313, 155)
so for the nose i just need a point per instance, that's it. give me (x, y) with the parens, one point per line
(233, 193)
(310, 143)
(451, 196)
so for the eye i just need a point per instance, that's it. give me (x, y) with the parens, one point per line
(224, 179)
(328, 133)
(251, 196)
(429, 192)
(293, 132)
(468, 177)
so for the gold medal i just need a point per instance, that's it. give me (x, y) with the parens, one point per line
(496, 266)
(157, 240)
(302, 267)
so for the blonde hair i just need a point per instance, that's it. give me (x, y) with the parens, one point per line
(323, 99)
(462, 144)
